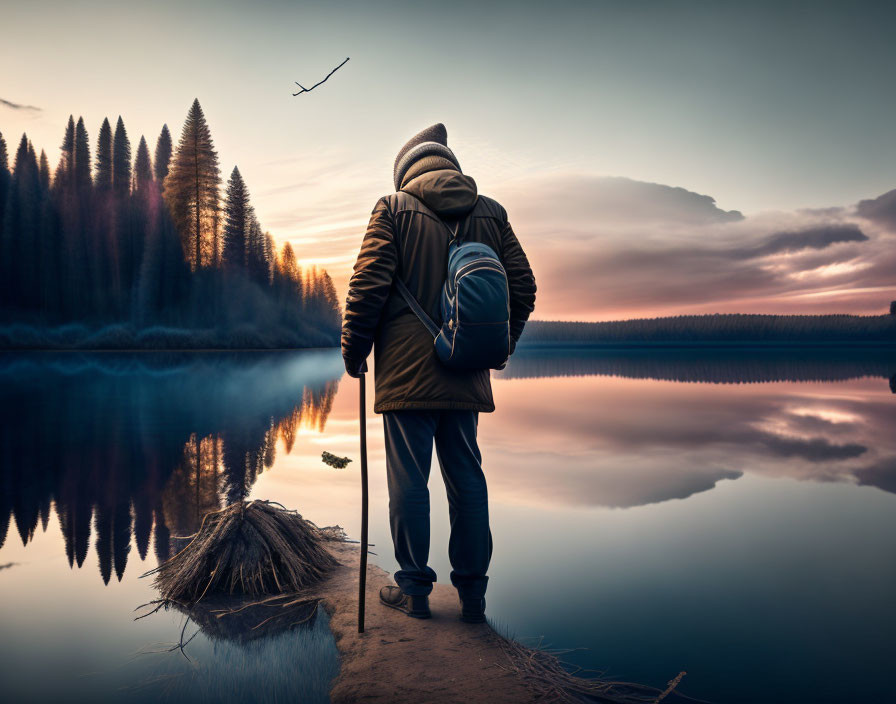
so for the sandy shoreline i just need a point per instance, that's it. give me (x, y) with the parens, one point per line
(400, 659)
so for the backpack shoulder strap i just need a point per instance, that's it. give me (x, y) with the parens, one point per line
(416, 307)
(405, 291)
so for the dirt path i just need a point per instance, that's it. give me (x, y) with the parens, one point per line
(400, 659)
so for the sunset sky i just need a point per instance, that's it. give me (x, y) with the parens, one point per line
(655, 158)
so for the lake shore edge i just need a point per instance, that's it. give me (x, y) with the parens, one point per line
(397, 658)
(443, 660)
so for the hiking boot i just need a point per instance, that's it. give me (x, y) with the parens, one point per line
(472, 610)
(413, 606)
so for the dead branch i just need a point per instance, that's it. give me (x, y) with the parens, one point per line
(308, 90)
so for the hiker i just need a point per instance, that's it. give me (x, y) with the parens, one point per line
(421, 399)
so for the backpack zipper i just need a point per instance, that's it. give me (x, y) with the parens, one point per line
(490, 264)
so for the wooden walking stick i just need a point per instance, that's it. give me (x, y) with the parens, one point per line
(363, 580)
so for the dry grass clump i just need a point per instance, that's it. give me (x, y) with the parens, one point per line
(247, 549)
(552, 681)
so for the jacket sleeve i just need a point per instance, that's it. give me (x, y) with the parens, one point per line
(369, 285)
(520, 280)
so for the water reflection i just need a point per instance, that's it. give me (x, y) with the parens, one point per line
(124, 446)
(141, 447)
(739, 516)
(622, 443)
(717, 366)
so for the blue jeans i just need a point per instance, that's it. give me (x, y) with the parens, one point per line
(409, 441)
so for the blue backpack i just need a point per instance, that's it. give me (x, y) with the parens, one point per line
(475, 305)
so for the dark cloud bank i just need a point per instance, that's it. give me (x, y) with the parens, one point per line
(611, 247)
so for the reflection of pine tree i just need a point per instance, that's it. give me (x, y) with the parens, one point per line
(161, 536)
(103, 529)
(318, 401)
(75, 514)
(235, 458)
(26, 506)
(142, 519)
(4, 522)
(289, 426)
(121, 535)
(245, 449)
(192, 490)
(7, 472)
(88, 443)
(270, 446)
(326, 402)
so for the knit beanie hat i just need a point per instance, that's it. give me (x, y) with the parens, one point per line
(433, 141)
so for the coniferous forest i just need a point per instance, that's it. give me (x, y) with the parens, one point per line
(121, 248)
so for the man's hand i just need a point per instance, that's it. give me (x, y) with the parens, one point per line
(354, 367)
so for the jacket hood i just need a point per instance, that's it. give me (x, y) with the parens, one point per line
(447, 192)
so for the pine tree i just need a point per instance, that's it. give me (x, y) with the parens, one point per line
(122, 217)
(289, 267)
(311, 292)
(104, 241)
(331, 308)
(257, 264)
(270, 254)
(287, 283)
(216, 236)
(18, 247)
(47, 244)
(44, 170)
(164, 274)
(49, 254)
(121, 161)
(142, 167)
(65, 169)
(83, 181)
(4, 179)
(104, 158)
(237, 220)
(66, 202)
(85, 262)
(191, 187)
(163, 155)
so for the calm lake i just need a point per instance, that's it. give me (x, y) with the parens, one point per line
(728, 514)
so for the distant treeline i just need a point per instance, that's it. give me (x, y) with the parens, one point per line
(705, 364)
(118, 252)
(718, 329)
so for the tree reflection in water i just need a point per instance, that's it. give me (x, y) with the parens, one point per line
(143, 446)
